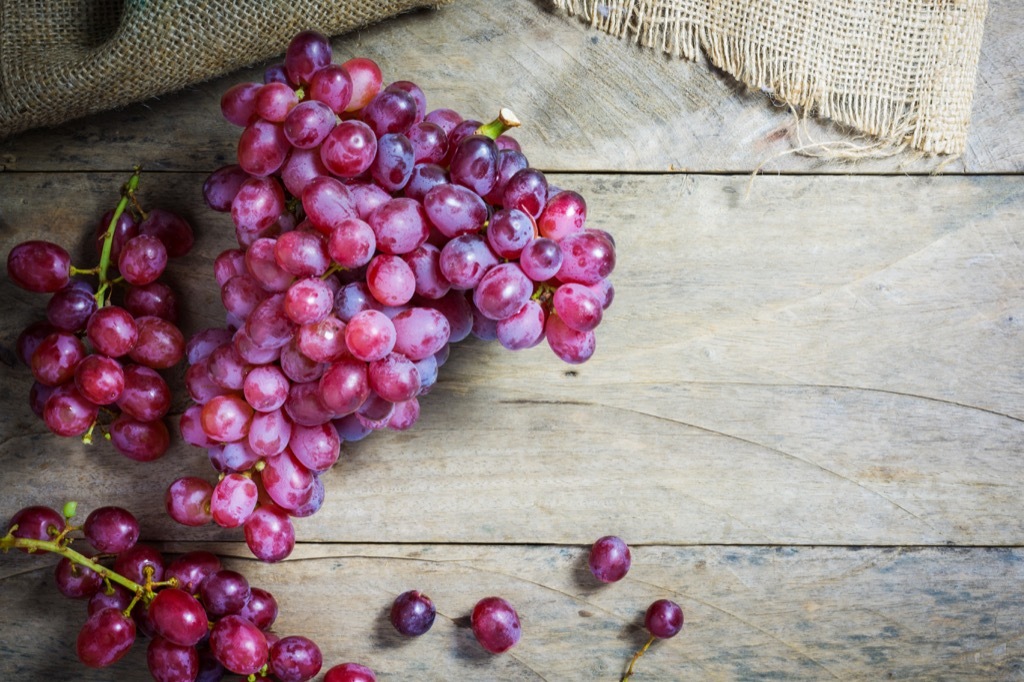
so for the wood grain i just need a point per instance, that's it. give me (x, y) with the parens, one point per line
(811, 613)
(836, 361)
(589, 102)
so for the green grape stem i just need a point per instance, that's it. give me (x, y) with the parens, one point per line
(636, 657)
(505, 121)
(127, 194)
(57, 547)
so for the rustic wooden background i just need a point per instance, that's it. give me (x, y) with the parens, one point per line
(805, 414)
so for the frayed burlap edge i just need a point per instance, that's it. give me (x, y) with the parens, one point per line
(930, 116)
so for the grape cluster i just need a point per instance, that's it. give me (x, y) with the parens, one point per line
(203, 621)
(372, 234)
(92, 357)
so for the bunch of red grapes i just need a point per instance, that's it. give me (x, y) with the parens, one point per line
(202, 620)
(373, 233)
(108, 329)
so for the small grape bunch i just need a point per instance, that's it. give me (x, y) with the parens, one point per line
(203, 621)
(108, 329)
(373, 233)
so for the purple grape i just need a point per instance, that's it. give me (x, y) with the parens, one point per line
(39, 266)
(455, 210)
(503, 291)
(609, 559)
(238, 104)
(142, 259)
(191, 568)
(424, 177)
(111, 530)
(475, 164)
(171, 229)
(664, 619)
(238, 645)
(393, 165)
(74, 581)
(391, 111)
(222, 186)
(105, 638)
(524, 329)
(70, 308)
(465, 260)
(412, 613)
(295, 659)
(170, 662)
(261, 609)
(307, 53)
(178, 617)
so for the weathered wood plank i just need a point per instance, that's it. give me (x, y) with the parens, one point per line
(751, 613)
(589, 102)
(828, 361)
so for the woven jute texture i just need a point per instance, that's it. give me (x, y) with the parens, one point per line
(60, 59)
(901, 71)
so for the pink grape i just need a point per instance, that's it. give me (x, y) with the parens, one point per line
(170, 662)
(447, 119)
(509, 232)
(229, 263)
(268, 326)
(424, 177)
(222, 185)
(323, 341)
(75, 581)
(609, 559)
(295, 659)
(269, 433)
(224, 592)
(39, 266)
(100, 379)
(352, 243)
(226, 418)
(187, 501)
(307, 53)
(261, 262)
(344, 387)
(425, 262)
(420, 332)
(145, 395)
(588, 257)
(370, 335)
(315, 447)
(274, 101)
(390, 280)
(171, 229)
(262, 147)
(503, 291)
(349, 149)
(399, 226)
(265, 388)
(578, 307)
(308, 300)
(238, 104)
(241, 294)
(541, 259)
(233, 501)
(459, 313)
(302, 254)
(160, 345)
(36, 523)
(429, 142)
(332, 85)
(142, 259)
(327, 203)
(465, 260)
(392, 166)
(350, 672)
(112, 331)
(140, 441)
(105, 638)
(394, 378)
(455, 210)
(178, 617)
(68, 413)
(524, 329)
(233, 457)
(298, 367)
(572, 346)
(474, 164)
(261, 609)
(564, 214)
(495, 624)
(269, 534)
(257, 204)
(288, 482)
(154, 299)
(238, 645)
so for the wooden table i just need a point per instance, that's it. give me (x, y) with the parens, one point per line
(805, 414)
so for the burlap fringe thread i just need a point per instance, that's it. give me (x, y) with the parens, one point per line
(899, 71)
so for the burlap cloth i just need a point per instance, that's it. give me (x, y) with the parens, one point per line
(60, 59)
(901, 71)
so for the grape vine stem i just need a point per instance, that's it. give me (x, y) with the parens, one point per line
(636, 657)
(127, 194)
